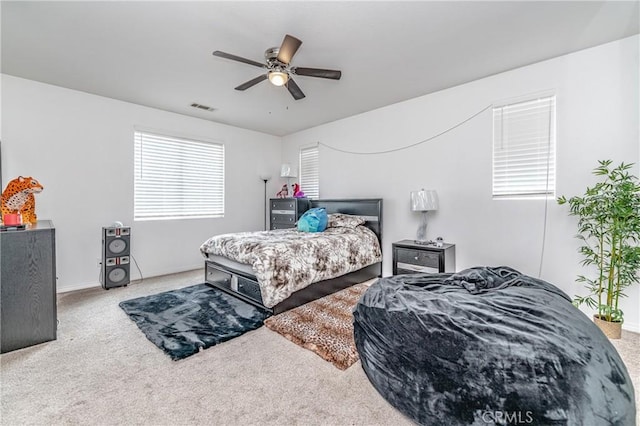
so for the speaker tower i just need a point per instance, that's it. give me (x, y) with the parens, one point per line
(116, 255)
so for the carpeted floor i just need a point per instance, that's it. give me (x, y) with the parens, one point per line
(102, 371)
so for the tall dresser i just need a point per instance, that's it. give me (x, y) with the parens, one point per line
(284, 212)
(27, 286)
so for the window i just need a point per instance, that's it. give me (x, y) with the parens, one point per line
(177, 178)
(309, 172)
(524, 149)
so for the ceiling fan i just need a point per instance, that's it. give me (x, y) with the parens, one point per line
(279, 69)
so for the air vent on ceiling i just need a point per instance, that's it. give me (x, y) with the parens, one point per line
(204, 107)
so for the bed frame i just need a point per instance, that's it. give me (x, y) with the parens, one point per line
(244, 285)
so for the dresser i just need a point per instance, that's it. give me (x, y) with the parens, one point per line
(284, 212)
(27, 286)
(410, 257)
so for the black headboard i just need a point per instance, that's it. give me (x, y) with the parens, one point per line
(370, 209)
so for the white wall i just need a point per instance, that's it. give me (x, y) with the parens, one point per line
(597, 115)
(80, 147)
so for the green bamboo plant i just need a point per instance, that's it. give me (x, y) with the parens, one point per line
(609, 226)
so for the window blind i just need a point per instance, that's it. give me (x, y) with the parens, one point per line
(524, 149)
(309, 172)
(177, 178)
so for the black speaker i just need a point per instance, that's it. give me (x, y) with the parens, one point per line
(116, 252)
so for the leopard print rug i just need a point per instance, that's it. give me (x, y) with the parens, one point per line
(324, 326)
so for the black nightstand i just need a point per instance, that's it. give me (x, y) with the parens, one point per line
(410, 257)
(285, 212)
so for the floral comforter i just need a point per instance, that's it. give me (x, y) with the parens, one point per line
(287, 260)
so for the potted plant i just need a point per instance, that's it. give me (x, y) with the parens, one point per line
(609, 226)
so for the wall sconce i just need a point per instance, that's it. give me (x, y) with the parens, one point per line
(423, 201)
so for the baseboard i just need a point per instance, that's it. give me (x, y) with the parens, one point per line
(167, 271)
(151, 274)
(77, 287)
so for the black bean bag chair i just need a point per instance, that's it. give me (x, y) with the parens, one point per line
(489, 346)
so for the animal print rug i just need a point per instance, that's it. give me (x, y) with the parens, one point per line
(324, 326)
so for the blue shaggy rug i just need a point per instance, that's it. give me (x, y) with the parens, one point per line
(185, 321)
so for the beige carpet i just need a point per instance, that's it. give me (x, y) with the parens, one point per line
(102, 371)
(324, 326)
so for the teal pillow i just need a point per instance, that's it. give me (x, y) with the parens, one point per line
(313, 220)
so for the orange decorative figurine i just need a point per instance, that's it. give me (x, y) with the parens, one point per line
(17, 198)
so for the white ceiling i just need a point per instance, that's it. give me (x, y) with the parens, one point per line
(159, 54)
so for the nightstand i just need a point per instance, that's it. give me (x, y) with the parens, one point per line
(285, 212)
(410, 257)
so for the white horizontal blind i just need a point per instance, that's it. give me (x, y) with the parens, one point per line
(177, 178)
(309, 172)
(524, 149)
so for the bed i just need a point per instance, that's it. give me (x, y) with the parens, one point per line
(240, 274)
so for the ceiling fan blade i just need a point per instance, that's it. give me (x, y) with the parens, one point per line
(317, 72)
(294, 89)
(289, 47)
(238, 58)
(253, 82)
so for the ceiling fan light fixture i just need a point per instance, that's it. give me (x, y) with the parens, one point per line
(277, 67)
(278, 78)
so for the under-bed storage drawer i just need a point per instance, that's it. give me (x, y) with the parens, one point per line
(249, 288)
(216, 276)
(233, 282)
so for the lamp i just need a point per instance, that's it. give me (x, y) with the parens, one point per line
(265, 178)
(278, 78)
(423, 201)
(286, 171)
